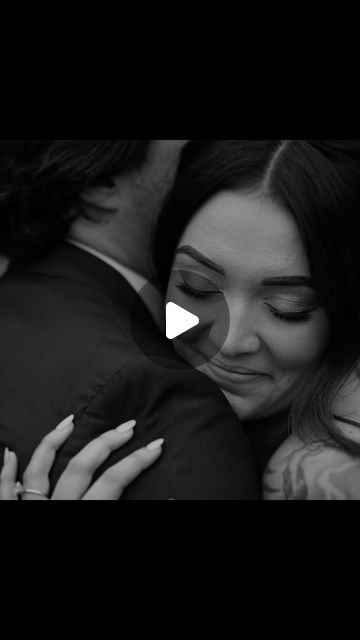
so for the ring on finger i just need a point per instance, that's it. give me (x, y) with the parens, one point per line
(34, 492)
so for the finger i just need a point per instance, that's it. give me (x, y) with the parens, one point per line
(112, 483)
(36, 475)
(8, 476)
(78, 474)
(31, 496)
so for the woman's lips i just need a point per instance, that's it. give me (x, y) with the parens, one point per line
(230, 379)
(226, 377)
(239, 370)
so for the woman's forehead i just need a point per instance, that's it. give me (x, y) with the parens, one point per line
(248, 232)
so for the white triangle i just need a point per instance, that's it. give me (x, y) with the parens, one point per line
(178, 320)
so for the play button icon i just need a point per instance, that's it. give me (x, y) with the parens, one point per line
(178, 320)
(183, 329)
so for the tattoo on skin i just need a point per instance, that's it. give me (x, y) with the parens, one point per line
(311, 472)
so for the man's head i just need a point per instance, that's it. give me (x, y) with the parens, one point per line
(104, 192)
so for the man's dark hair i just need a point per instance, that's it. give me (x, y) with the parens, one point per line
(41, 182)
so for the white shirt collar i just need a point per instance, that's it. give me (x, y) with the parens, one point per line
(147, 291)
(134, 279)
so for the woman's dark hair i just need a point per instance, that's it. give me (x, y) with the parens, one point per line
(318, 182)
(41, 182)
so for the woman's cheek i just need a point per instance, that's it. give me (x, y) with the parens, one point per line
(301, 347)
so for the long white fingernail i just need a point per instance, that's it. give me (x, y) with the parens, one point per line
(157, 444)
(6, 455)
(128, 426)
(65, 423)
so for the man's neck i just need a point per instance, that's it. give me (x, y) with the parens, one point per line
(132, 252)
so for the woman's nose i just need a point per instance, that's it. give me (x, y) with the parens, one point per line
(242, 336)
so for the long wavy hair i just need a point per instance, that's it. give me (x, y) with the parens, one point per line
(41, 182)
(318, 182)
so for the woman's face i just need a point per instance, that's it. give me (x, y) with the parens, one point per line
(241, 268)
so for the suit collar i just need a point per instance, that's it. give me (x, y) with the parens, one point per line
(136, 281)
(71, 263)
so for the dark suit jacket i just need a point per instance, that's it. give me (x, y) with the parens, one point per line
(75, 338)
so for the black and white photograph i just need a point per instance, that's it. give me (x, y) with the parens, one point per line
(180, 320)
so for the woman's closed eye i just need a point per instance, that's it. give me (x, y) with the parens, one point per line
(284, 309)
(197, 287)
(291, 310)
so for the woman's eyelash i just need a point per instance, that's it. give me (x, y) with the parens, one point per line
(295, 316)
(194, 293)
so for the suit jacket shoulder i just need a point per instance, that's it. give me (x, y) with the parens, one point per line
(75, 338)
(206, 454)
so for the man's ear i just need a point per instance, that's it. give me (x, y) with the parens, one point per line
(103, 195)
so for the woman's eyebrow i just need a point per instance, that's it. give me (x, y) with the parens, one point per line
(288, 281)
(199, 257)
(285, 281)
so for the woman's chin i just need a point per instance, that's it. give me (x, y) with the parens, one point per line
(247, 406)
(240, 407)
(246, 409)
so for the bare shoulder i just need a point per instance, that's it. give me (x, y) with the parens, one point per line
(311, 472)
